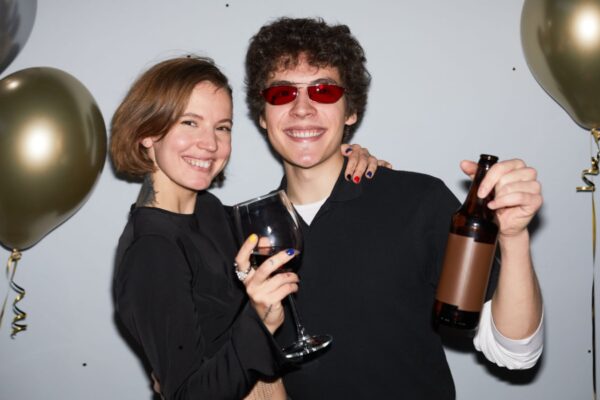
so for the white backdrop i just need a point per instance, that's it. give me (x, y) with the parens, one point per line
(449, 82)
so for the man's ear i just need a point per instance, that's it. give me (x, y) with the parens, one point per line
(351, 119)
(262, 122)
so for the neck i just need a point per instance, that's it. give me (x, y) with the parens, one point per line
(147, 195)
(309, 185)
(157, 191)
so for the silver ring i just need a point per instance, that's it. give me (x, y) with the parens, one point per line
(241, 275)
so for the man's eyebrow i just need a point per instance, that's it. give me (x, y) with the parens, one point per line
(313, 82)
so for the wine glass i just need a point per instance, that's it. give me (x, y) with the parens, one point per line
(273, 218)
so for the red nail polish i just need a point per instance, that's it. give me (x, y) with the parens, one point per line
(356, 179)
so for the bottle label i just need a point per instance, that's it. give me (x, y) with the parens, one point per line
(465, 272)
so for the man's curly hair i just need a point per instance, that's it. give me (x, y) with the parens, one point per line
(282, 43)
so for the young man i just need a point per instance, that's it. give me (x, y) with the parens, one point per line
(307, 89)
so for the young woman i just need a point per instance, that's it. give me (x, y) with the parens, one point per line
(175, 290)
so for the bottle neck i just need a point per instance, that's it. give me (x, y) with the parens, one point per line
(474, 205)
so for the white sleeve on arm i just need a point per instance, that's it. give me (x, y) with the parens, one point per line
(505, 352)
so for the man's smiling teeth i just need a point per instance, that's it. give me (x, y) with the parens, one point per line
(198, 163)
(304, 134)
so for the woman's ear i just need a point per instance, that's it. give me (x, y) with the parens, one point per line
(147, 142)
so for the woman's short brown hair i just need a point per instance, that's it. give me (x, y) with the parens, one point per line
(154, 103)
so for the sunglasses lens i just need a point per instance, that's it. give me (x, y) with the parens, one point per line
(278, 95)
(325, 93)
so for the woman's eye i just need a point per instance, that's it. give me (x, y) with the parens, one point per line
(189, 123)
(224, 128)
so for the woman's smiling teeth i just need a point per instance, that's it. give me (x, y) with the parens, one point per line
(302, 134)
(198, 163)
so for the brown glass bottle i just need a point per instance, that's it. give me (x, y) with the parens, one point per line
(468, 258)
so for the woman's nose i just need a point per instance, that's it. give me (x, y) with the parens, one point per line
(207, 141)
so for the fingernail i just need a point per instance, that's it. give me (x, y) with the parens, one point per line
(356, 179)
(348, 177)
(290, 252)
(348, 150)
(254, 237)
(369, 174)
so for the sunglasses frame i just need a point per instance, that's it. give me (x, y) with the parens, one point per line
(312, 90)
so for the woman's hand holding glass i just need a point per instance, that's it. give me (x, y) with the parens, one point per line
(265, 288)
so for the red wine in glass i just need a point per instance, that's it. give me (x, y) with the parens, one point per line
(261, 254)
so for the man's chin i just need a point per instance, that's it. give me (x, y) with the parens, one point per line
(307, 162)
(303, 163)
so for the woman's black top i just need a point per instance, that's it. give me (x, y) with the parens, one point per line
(176, 295)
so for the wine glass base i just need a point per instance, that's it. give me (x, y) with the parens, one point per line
(306, 345)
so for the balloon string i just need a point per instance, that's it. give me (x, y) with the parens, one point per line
(11, 268)
(593, 170)
(594, 298)
(9, 279)
(590, 187)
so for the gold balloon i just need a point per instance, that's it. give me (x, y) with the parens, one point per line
(561, 42)
(52, 149)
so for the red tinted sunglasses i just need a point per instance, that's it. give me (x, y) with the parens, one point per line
(325, 93)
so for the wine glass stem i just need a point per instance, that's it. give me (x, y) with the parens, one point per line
(299, 328)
